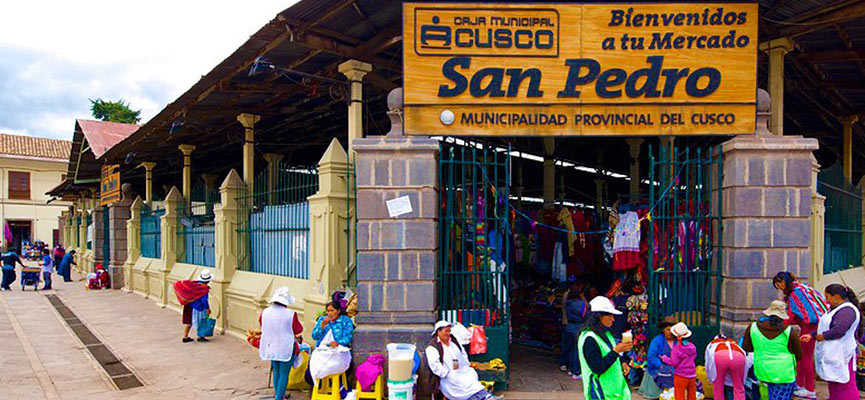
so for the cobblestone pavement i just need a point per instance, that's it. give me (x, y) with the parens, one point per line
(42, 358)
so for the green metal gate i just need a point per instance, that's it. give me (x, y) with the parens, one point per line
(106, 237)
(473, 278)
(685, 235)
(843, 244)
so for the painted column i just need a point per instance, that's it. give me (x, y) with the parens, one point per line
(634, 151)
(818, 225)
(767, 200)
(248, 121)
(169, 223)
(847, 145)
(187, 149)
(227, 219)
(148, 182)
(355, 71)
(133, 245)
(329, 243)
(549, 171)
(272, 174)
(119, 214)
(776, 49)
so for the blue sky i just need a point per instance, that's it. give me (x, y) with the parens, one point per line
(55, 55)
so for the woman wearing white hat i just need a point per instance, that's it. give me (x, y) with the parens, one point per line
(601, 359)
(776, 349)
(280, 334)
(193, 295)
(452, 375)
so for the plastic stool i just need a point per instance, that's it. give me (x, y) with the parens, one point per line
(327, 388)
(377, 392)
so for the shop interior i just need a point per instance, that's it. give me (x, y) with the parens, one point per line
(576, 234)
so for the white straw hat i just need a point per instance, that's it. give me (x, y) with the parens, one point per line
(681, 330)
(205, 276)
(282, 296)
(776, 309)
(604, 305)
(439, 325)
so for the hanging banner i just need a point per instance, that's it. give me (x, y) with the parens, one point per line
(580, 69)
(110, 187)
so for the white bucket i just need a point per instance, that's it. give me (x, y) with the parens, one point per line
(400, 361)
(400, 390)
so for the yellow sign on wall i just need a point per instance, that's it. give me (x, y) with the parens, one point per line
(580, 69)
(110, 187)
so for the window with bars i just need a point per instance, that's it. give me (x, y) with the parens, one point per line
(19, 185)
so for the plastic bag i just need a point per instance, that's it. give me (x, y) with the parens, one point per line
(205, 327)
(296, 379)
(478, 343)
(462, 334)
(328, 361)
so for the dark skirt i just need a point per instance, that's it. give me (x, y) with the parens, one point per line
(187, 315)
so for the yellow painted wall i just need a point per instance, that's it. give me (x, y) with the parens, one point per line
(45, 174)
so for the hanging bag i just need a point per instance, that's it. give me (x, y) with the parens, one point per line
(206, 326)
(478, 343)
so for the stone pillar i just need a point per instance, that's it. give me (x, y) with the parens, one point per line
(133, 243)
(549, 171)
(273, 160)
(82, 237)
(148, 182)
(248, 121)
(329, 243)
(355, 70)
(397, 257)
(169, 222)
(634, 151)
(98, 238)
(227, 219)
(187, 149)
(767, 221)
(847, 145)
(818, 225)
(118, 214)
(776, 49)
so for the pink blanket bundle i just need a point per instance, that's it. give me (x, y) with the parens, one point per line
(370, 370)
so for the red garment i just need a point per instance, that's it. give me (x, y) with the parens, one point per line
(188, 291)
(296, 327)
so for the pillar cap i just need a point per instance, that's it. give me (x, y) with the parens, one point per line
(334, 154)
(849, 119)
(354, 66)
(187, 149)
(782, 43)
(174, 195)
(148, 165)
(248, 120)
(232, 181)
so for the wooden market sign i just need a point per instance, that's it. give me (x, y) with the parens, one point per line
(580, 69)
(110, 188)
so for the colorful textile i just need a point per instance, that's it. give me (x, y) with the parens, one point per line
(370, 370)
(781, 391)
(806, 304)
(188, 291)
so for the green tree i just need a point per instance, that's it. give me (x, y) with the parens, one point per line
(114, 111)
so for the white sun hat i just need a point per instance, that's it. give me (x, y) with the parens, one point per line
(681, 330)
(282, 296)
(604, 305)
(439, 325)
(205, 276)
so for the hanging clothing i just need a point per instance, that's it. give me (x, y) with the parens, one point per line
(566, 221)
(833, 355)
(806, 305)
(626, 242)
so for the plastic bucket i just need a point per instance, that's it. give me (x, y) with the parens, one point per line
(400, 362)
(403, 390)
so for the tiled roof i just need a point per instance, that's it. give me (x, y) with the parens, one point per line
(29, 146)
(102, 135)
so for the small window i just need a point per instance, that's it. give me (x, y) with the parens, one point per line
(19, 185)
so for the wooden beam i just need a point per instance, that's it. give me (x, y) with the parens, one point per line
(778, 4)
(365, 19)
(847, 12)
(832, 56)
(321, 31)
(848, 42)
(315, 41)
(325, 16)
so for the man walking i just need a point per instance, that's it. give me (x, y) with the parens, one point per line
(47, 267)
(10, 257)
(65, 267)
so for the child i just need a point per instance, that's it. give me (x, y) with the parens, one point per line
(682, 359)
(47, 266)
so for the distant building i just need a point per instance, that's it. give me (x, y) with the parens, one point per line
(29, 167)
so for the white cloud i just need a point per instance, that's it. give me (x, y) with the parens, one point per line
(55, 55)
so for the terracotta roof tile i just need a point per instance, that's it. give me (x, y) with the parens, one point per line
(29, 146)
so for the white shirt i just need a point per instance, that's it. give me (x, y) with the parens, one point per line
(456, 384)
(833, 356)
(277, 334)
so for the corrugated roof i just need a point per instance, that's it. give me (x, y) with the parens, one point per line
(102, 135)
(29, 146)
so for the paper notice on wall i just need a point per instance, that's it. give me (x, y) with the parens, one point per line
(398, 206)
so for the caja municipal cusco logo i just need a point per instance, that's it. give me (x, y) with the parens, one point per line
(494, 32)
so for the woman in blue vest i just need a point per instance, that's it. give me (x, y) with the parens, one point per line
(602, 362)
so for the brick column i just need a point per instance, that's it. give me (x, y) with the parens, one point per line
(767, 228)
(118, 213)
(98, 236)
(397, 257)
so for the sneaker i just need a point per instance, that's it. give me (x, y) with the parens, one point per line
(563, 368)
(187, 339)
(201, 339)
(576, 377)
(804, 393)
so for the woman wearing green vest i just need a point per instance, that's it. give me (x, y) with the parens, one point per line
(776, 350)
(603, 366)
